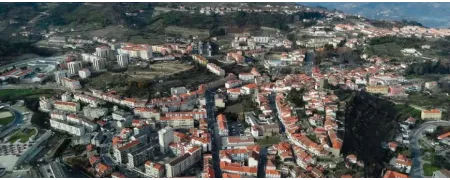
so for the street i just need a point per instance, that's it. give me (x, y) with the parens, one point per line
(212, 126)
(261, 173)
(418, 133)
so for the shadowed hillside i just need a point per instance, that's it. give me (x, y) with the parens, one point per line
(369, 121)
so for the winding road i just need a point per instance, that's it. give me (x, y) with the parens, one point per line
(18, 120)
(417, 166)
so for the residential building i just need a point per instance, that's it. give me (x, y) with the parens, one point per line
(246, 77)
(180, 164)
(59, 75)
(403, 162)
(141, 154)
(121, 153)
(123, 59)
(102, 51)
(249, 89)
(71, 128)
(378, 89)
(165, 137)
(103, 170)
(154, 170)
(71, 83)
(433, 114)
(222, 125)
(84, 73)
(117, 175)
(443, 173)
(233, 83)
(394, 174)
(231, 142)
(147, 113)
(143, 51)
(74, 67)
(67, 106)
(178, 121)
(178, 90)
(197, 115)
(99, 64)
(215, 69)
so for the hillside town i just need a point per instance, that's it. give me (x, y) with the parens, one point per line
(260, 105)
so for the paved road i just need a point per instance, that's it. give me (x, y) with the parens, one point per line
(272, 104)
(212, 126)
(417, 168)
(18, 120)
(261, 173)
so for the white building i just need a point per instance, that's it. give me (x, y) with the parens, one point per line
(139, 155)
(74, 66)
(99, 64)
(102, 51)
(143, 51)
(215, 69)
(180, 164)
(165, 137)
(178, 121)
(84, 73)
(261, 39)
(122, 59)
(247, 77)
(71, 83)
(67, 106)
(59, 75)
(147, 113)
(178, 90)
(70, 128)
(154, 170)
(66, 97)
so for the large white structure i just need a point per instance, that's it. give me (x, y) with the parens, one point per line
(180, 164)
(84, 73)
(165, 137)
(102, 51)
(71, 83)
(74, 66)
(67, 106)
(70, 128)
(59, 75)
(140, 155)
(215, 69)
(122, 59)
(99, 64)
(143, 51)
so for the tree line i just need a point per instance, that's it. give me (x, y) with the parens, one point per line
(428, 67)
(240, 19)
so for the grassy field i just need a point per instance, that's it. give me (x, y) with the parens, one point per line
(428, 169)
(186, 32)
(21, 136)
(150, 39)
(406, 111)
(17, 94)
(384, 50)
(268, 140)
(6, 117)
(429, 101)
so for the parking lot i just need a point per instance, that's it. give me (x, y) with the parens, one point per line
(235, 128)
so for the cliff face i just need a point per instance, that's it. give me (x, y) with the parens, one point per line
(369, 121)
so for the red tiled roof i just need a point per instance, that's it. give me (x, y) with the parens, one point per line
(394, 174)
(443, 136)
(129, 145)
(174, 118)
(66, 103)
(433, 111)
